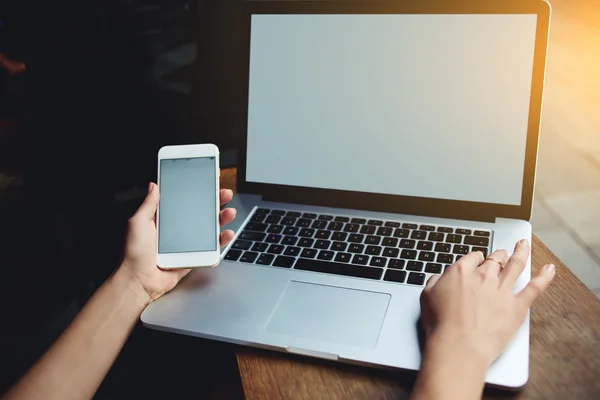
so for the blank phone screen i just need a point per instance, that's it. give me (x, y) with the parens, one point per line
(188, 206)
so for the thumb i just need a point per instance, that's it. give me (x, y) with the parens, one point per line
(537, 285)
(150, 203)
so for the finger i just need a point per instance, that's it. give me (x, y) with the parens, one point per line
(432, 281)
(495, 262)
(227, 215)
(469, 262)
(150, 203)
(181, 273)
(225, 196)
(537, 286)
(516, 264)
(226, 237)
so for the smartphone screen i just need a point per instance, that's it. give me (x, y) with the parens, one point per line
(188, 215)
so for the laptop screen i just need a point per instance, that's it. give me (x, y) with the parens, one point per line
(416, 105)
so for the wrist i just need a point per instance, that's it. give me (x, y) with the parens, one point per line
(132, 287)
(457, 348)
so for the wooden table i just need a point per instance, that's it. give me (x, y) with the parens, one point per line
(564, 357)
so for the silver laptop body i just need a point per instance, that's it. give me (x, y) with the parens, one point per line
(381, 143)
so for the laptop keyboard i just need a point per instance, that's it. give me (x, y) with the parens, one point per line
(393, 251)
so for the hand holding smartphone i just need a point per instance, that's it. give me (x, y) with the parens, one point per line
(187, 219)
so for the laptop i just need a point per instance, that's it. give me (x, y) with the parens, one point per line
(382, 142)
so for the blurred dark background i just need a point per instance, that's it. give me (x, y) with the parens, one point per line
(106, 83)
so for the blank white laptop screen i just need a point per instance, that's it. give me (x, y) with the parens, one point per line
(417, 105)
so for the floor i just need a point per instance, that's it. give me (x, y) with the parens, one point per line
(566, 215)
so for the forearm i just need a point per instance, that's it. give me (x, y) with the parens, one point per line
(78, 361)
(450, 371)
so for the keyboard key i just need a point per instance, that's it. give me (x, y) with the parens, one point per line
(477, 241)
(303, 223)
(343, 257)
(481, 233)
(288, 221)
(233, 255)
(341, 219)
(442, 247)
(392, 224)
(356, 238)
(275, 249)
(325, 255)
(396, 263)
(305, 242)
(401, 233)
(273, 219)
(391, 252)
(409, 254)
(385, 231)
(293, 214)
(390, 242)
(336, 268)
(291, 230)
(256, 226)
(356, 248)
(373, 250)
(319, 224)
(254, 236)
(335, 226)
(322, 244)
(309, 215)
(275, 229)
(368, 229)
(424, 245)
(289, 240)
(407, 244)
(463, 231)
(260, 247)
(273, 238)
(340, 236)
(258, 217)
(445, 229)
(339, 246)
(321, 234)
(263, 210)
(375, 222)
(416, 278)
(277, 212)
(459, 249)
(414, 266)
(284, 261)
(378, 262)
(433, 268)
(306, 232)
(242, 244)
(292, 251)
(372, 240)
(308, 253)
(360, 259)
(481, 249)
(265, 259)
(395, 276)
(248, 256)
(436, 236)
(427, 228)
(418, 235)
(325, 217)
(410, 226)
(358, 221)
(454, 238)
(445, 258)
(426, 256)
(351, 228)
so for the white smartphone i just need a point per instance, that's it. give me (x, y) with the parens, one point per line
(187, 220)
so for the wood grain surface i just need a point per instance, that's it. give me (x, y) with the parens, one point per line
(564, 356)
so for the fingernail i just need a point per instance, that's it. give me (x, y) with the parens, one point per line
(524, 242)
(230, 191)
(550, 269)
(150, 187)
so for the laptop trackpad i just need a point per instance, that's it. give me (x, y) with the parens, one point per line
(329, 313)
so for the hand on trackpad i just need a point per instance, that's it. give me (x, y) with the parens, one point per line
(330, 314)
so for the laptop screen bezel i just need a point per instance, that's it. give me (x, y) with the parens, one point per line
(397, 203)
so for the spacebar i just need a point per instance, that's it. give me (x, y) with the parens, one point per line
(327, 267)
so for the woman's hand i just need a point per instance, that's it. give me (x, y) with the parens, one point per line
(473, 307)
(139, 262)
